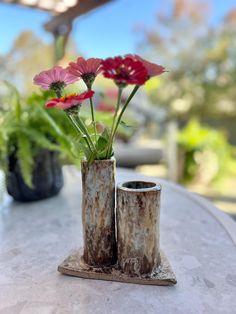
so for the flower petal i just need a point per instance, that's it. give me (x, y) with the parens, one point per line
(124, 70)
(54, 75)
(69, 101)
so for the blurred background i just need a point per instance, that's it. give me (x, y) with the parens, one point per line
(181, 126)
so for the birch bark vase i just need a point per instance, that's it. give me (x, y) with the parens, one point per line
(138, 215)
(98, 212)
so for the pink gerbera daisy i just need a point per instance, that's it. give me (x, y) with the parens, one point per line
(86, 69)
(152, 68)
(57, 77)
(67, 102)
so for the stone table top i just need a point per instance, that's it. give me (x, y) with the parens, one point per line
(198, 239)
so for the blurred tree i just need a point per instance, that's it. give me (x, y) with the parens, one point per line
(28, 56)
(25, 58)
(201, 60)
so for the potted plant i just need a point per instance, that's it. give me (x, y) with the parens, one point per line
(30, 146)
(98, 165)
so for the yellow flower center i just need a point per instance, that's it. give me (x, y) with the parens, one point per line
(64, 98)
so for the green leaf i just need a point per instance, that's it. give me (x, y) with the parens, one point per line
(125, 125)
(40, 139)
(106, 134)
(122, 123)
(55, 130)
(102, 144)
(25, 158)
(15, 98)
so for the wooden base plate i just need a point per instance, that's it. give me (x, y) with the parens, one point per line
(74, 265)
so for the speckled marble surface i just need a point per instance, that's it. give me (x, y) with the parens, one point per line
(36, 237)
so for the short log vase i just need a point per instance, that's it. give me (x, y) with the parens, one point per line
(98, 212)
(137, 218)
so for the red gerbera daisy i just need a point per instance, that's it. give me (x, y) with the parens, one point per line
(67, 102)
(152, 68)
(124, 70)
(86, 69)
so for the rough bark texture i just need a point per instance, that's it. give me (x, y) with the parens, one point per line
(138, 215)
(98, 214)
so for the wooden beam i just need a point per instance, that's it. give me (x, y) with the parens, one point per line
(9, 2)
(83, 6)
(30, 6)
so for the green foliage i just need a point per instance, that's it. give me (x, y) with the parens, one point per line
(102, 144)
(25, 157)
(26, 127)
(125, 130)
(29, 55)
(201, 60)
(205, 152)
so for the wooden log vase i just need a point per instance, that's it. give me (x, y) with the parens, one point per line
(139, 260)
(98, 212)
(137, 218)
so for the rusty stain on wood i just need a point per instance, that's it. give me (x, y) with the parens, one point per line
(138, 215)
(98, 212)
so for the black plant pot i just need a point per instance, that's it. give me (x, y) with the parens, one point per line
(47, 178)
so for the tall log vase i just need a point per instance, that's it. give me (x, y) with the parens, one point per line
(98, 212)
(138, 215)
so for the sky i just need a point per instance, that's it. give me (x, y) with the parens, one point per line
(104, 32)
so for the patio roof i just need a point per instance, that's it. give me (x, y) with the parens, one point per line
(82, 7)
(53, 6)
(64, 11)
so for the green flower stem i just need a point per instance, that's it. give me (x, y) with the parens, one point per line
(93, 117)
(109, 147)
(58, 88)
(123, 110)
(74, 122)
(58, 93)
(84, 128)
